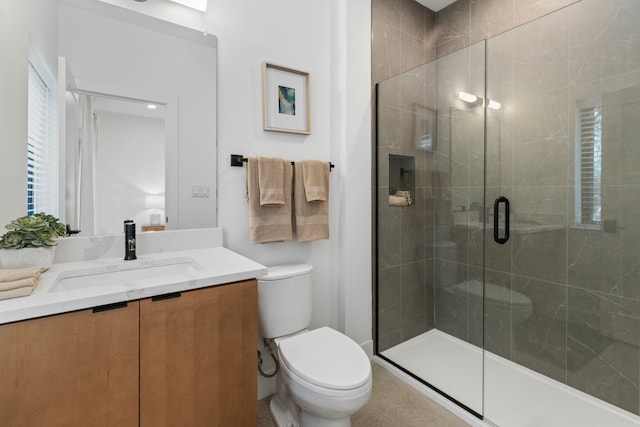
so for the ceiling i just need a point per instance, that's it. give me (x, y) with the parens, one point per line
(435, 5)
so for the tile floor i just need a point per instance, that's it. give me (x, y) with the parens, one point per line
(393, 403)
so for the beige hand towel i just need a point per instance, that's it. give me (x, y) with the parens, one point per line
(271, 180)
(312, 218)
(397, 201)
(12, 274)
(25, 281)
(268, 223)
(316, 179)
(22, 283)
(407, 196)
(15, 293)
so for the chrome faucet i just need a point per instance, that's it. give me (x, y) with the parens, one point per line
(129, 240)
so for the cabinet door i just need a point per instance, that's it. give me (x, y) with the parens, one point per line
(74, 369)
(198, 357)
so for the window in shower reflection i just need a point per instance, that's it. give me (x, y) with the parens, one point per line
(589, 171)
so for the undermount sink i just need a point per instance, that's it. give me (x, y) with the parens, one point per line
(123, 272)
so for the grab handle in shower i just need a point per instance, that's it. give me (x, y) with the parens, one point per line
(496, 217)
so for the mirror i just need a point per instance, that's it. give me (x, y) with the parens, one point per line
(105, 138)
(111, 53)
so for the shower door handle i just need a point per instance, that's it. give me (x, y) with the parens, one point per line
(496, 218)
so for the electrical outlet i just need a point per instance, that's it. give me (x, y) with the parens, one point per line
(199, 191)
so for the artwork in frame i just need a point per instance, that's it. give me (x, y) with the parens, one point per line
(425, 127)
(285, 100)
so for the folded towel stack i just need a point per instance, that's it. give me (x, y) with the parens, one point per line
(19, 282)
(269, 216)
(401, 198)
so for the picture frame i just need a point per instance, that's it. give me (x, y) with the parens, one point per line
(285, 100)
(424, 128)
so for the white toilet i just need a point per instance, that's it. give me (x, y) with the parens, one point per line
(324, 375)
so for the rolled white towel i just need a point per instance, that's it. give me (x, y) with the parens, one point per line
(397, 201)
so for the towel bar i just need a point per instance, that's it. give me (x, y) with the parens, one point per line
(239, 159)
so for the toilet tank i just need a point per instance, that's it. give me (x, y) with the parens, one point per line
(284, 300)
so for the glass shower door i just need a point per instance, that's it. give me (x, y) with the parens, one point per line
(431, 221)
(562, 294)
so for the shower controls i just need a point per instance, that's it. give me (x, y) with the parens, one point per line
(496, 220)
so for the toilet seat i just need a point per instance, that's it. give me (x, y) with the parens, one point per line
(326, 360)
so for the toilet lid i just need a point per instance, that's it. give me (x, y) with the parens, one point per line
(326, 358)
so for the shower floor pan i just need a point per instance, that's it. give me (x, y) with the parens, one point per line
(514, 396)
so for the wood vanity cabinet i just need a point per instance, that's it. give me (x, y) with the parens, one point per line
(187, 360)
(198, 357)
(72, 369)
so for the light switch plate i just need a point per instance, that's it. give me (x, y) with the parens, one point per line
(199, 191)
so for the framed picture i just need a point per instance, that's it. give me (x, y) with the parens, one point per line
(425, 127)
(285, 100)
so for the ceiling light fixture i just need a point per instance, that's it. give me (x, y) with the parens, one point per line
(467, 97)
(494, 105)
(473, 99)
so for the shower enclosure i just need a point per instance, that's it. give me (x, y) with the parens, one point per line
(508, 221)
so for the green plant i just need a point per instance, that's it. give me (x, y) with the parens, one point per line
(34, 231)
(53, 223)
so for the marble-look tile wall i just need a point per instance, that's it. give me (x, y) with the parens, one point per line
(583, 324)
(466, 22)
(403, 38)
(405, 256)
(582, 327)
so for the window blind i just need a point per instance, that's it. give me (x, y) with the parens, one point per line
(590, 174)
(41, 153)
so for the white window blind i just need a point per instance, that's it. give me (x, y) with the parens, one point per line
(590, 171)
(41, 146)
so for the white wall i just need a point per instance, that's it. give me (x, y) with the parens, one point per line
(19, 21)
(331, 41)
(118, 166)
(133, 62)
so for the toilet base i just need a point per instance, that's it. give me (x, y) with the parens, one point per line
(310, 420)
(281, 414)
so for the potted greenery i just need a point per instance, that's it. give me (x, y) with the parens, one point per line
(30, 241)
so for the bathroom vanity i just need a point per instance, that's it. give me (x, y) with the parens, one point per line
(176, 348)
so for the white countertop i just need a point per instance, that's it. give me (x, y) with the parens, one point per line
(212, 266)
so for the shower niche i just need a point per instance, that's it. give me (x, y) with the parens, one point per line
(402, 181)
